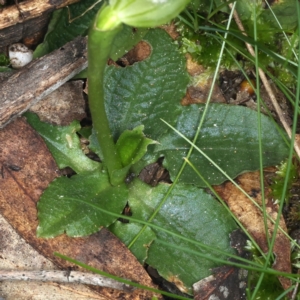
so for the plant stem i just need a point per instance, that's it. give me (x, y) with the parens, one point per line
(99, 47)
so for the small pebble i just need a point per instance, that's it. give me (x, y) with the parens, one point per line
(19, 55)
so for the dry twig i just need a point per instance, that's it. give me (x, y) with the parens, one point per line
(29, 9)
(65, 277)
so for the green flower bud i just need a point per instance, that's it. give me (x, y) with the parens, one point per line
(147, 13)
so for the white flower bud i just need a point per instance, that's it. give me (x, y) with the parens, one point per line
(19, 55)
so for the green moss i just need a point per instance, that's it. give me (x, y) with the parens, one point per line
(278, 183)
(204, 47)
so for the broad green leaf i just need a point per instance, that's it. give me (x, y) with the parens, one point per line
(132, 145)
(190, 212)
(285, 12)
(148, 90)
(70, 205)
(67, 24)
(127, 232)
(45, 47)
(64, 144)
(229, 137)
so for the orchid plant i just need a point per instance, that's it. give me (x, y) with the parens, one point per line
(168, 214)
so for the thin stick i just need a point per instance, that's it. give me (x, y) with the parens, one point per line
(266, 84)
(65, 277)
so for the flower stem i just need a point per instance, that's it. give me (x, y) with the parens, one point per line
(99, 46)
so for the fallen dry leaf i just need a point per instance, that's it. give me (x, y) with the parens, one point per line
(252, 218)
(27, 168)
